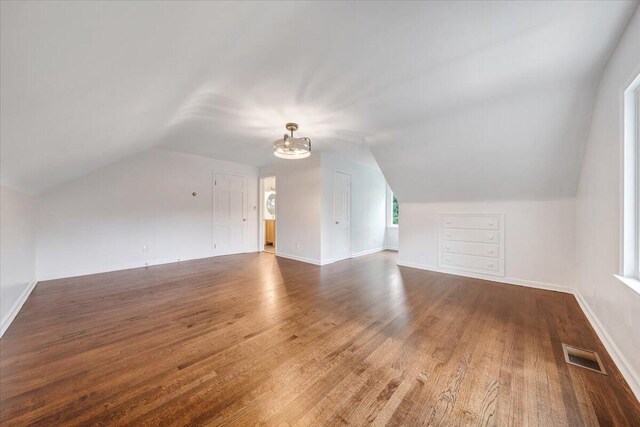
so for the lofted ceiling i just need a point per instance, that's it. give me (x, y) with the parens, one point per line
(452, 100)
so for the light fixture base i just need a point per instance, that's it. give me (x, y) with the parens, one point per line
(292, 127)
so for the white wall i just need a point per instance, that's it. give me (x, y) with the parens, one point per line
(539, 245)
(391, 236)
(304, 207)
(298, 204)
(18, 222)
(613, 306)
(368, 206)
(104, 220)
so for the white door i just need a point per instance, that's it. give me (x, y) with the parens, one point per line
(229, 214)
(341, 215)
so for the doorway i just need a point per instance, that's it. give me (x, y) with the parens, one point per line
(341, 215)
(268, 209)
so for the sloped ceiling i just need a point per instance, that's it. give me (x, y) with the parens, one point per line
(456, 100)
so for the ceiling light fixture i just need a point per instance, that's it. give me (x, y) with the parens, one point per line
(290, 147)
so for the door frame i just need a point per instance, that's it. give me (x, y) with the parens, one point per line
(333, 210)
(245, 209)
(261, 231)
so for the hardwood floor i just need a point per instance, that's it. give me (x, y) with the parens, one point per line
(249, 339)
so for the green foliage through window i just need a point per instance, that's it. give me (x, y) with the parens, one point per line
(396, 210)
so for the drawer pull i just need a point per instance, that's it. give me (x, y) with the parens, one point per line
(448, 259)
(448, 234)
(490, 223)
(447, 247)
(490, 237)
(490, 251)
(448, 222)
(490, 264)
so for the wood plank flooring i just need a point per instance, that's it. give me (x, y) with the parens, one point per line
(254, 339)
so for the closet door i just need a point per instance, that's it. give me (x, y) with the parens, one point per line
(341, 216)
(229, 214)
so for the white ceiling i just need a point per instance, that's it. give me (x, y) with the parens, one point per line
(456, 100)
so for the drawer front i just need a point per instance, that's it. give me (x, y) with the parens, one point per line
(471, 261)
(466, 248)
(474, 222)
(472, 236)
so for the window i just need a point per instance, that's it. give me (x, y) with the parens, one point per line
(396, 211)
(393, 209)
(630, 265)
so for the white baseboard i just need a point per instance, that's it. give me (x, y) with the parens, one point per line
(499, 279)
(126, 266)
(328, 261)
(627, 371)
(630, 375)
(301, 259)
(16, 308)
(367, 252)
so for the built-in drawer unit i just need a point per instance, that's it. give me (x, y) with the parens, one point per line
(471, 261)
(472, 242)
(477, 236)
(467, 248)
(490, 222)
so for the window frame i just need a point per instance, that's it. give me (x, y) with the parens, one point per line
(636, 141)
(635, 134)
(630, 185)
(389, 205)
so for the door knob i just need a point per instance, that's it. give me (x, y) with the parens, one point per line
(337, 222)
(244, 219)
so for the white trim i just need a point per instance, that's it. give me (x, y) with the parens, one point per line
(331, 260)
(389, 209)
(8, 319)
(631, 282)
(627, 371)
(301, 259)
(130, 266)
(507, 280)
(629, 181)
(367, 252)
(261, 230)
(261, 218)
